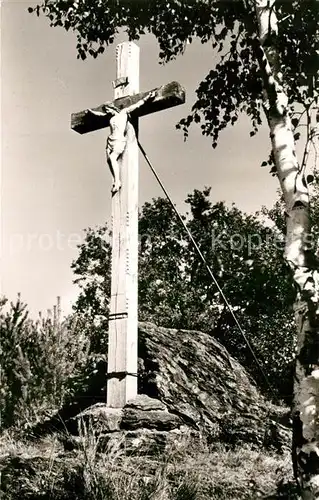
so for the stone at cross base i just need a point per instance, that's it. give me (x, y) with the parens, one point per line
(122, 341)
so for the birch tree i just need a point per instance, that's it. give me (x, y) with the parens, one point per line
(268, 68)
(298, 253)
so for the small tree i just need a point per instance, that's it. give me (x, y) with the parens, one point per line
(41, 363)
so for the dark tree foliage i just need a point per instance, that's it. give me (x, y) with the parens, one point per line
(92, 271)
(176, 291)
(229, 26)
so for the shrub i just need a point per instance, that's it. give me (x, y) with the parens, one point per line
(41, 362)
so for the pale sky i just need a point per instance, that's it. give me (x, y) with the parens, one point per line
(54, 181)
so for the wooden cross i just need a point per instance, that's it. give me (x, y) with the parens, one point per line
(122, 341)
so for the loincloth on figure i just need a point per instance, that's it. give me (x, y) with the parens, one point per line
(116, 146)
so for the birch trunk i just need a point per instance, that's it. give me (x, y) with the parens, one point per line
(300, 257)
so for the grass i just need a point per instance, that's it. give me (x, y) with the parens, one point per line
(43, 470)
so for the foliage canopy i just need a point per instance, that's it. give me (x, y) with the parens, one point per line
(229, 26)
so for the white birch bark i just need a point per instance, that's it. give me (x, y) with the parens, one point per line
(299, 256)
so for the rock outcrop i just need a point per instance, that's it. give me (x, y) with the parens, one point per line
(191, 382)
(200, 382)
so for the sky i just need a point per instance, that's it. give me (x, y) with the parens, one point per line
(54, 182)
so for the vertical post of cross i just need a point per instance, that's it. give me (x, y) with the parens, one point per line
(122, 341)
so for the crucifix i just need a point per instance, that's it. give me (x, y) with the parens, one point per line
(122, 115)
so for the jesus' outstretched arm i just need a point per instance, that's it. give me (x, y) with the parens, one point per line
(150, 96)
(96, 113)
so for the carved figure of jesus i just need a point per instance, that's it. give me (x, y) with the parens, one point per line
(116, 141)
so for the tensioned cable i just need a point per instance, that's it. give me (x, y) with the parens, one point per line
(210, 272)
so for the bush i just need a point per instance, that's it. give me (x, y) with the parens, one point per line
(41, 363)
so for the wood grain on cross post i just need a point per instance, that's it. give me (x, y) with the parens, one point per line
(122, 351)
